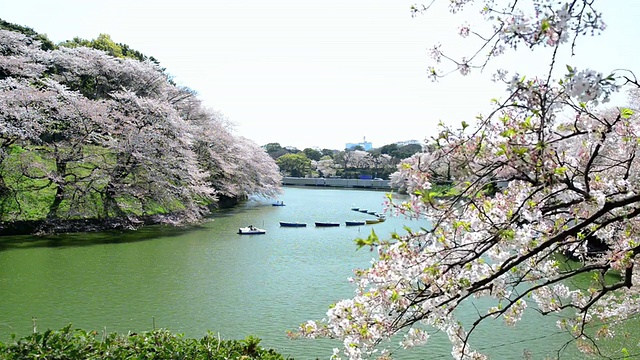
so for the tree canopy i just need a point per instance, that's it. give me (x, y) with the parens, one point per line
(297, 165)
(565, 167)
(312, 154)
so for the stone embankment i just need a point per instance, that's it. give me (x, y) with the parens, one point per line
(332, 182)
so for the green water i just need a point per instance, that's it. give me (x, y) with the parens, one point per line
(195, 279)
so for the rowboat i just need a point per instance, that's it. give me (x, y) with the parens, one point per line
(326, 224)
(354, 223)
(292, 224)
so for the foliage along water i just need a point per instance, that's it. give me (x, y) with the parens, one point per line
(208, 277)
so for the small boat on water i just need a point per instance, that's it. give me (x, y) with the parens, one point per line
(278, 203)
(363, 210)
(251, 230)
(355, 223)
(355, 209)
(292, 224)
(372, 213)
(326, 224)
(372, 221)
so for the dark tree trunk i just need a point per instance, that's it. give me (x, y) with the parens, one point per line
(60, 185)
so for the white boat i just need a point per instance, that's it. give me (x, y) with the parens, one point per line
(251, 230)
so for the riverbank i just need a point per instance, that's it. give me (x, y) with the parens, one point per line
(63, 226)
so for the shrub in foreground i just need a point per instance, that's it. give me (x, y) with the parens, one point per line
(68, 343)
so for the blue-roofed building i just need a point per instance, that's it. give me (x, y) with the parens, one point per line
(366, 145)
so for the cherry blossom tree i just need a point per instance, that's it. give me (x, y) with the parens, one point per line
(326, 167)
(258, 173)
(381, 163)
(570, 169)
(70, 124)
(144, 171)
(369, 162)
(237, 167)
(113, 138)
(19, 108)
(360, 159)
(20, 56)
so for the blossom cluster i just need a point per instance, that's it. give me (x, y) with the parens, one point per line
(547, 176)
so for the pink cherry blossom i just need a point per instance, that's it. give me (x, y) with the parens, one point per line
(548, 174)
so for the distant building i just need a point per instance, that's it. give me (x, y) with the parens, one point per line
(365, 145)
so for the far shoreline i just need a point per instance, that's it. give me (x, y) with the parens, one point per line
(368, 184)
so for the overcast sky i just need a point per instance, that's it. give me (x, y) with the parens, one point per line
(311, 73)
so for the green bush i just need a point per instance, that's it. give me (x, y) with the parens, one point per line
(68, 343)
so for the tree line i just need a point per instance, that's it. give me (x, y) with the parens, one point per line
(97, 130)
(348, 163)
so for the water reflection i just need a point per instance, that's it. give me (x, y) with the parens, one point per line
(93, 238)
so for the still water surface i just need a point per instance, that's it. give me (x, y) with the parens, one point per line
(209, 278)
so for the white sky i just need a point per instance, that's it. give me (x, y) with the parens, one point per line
(315, 73)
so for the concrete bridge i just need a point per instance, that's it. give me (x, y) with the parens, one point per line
(332, 182)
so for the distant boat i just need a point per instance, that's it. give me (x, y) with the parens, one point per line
(372, 221)
(363, 210)
(279, 203)
(355, 223)
(292, 224)
(251, 230)
(372, 213)
(326, 224)
(355, 208)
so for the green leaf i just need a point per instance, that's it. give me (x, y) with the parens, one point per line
(394, 296)
(507, 234)
(520, 151)
(561, 170)
(544, 26)
(371, 240)
(626, 113)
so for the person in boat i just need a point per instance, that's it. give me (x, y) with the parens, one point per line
(251, 227)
